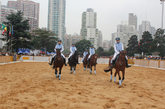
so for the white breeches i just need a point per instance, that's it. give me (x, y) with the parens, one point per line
(71, 54)
(90, 56)
(83, 58)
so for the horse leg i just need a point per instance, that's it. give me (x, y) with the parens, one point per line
(90, 69)
(74, 69)
(115, 77)
(95, 69)
(111, 76)
(84, 68)
(120, 83)
(123, 75)
(56, 72)
(59, 73)
(70, 70)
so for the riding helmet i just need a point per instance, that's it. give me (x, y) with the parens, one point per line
(118, 38)
(59, 40)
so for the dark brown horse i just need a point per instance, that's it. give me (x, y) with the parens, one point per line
(58, 63)
(93, 62)
(85, 62)
(73, 61)
(120, 65)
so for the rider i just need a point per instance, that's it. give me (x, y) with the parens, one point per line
(59, 46)
(85, 54)
(118, 47)
(91, 52)
(72, 50)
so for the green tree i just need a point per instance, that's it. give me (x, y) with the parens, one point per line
(132, 46)
(21, 37)
(159, 42)
(111, 51)
(100, 51)
(146, 43)
(82, 45)
(43, 39)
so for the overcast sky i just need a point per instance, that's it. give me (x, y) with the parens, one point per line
(110, 13)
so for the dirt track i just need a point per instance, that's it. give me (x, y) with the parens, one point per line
(34, 86)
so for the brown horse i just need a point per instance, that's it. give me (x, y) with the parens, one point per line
(85, 62)
(120, 65)
(93, 62)
(58, 63)
(73, 61)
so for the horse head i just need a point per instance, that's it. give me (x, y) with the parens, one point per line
(123, 53)
(58, 52)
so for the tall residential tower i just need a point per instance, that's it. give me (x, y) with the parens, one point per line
(30, 10)
(56, 17)
(132, 20)
(89, 29)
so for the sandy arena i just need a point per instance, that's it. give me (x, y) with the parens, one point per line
(34, 86)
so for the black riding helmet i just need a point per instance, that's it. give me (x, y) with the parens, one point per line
(59, 40)
(118, 38)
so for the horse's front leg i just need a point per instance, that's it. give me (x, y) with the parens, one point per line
(111, 76)
(90, 69)
(95, 69)
(120, 82)
(60, 73)
(84, 68)
(115, 76)
(56, 73)
(70, 70)
(123, 75)
(74, 69)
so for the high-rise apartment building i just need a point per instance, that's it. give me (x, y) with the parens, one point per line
(5, 11)
(30, 10)
(146, 26)
(56, 17)
(89, 29)
(132, 20)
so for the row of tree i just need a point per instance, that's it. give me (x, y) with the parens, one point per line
(24, 38)
(147, 45)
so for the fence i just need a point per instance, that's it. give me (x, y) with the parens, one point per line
(138, 62)
(6, 59)
(149, 63)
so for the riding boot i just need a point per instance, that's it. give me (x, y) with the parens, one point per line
(65, 62)
(112, 65)
(51, 61)
(127, 66)
(88, 61)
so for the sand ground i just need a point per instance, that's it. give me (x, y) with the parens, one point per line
(34, 86)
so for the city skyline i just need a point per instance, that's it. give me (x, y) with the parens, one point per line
(110, 13)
